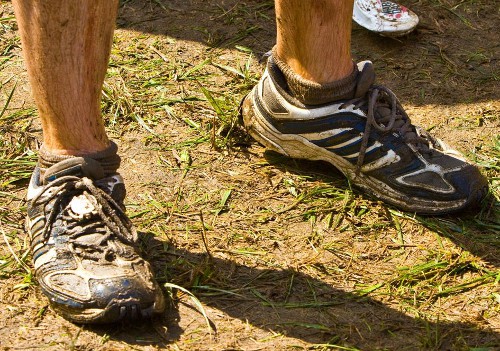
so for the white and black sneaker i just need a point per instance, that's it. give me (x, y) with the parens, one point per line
(370, 139)
(84, 247)
(386, 18)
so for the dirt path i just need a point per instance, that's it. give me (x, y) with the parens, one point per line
(296, 259)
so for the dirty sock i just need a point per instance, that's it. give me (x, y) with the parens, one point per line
(108, 158)
(312, 93)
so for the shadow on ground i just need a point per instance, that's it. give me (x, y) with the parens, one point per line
(445, 61)
(299, 306)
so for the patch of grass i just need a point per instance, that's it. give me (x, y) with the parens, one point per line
(17, 160)
(8, 38)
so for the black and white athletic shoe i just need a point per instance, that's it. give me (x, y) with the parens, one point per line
(370, 139)
(84, 247)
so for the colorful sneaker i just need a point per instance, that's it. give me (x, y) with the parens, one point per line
(384, 17)
(84, 247)
(370, 139)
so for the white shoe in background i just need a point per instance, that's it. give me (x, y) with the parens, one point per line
(384, 17)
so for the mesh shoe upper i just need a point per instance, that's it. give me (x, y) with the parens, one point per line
(368, 137)
(84, 247)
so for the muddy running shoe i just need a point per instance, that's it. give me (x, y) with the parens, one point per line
(384, 17)
(84, 246)
(369, 138)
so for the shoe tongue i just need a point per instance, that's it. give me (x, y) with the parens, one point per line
(75, 166)
(366, 78)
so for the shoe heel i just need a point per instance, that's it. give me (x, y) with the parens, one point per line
(253, 127)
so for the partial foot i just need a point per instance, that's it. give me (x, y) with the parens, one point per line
(370, 139)
(384, 17)
(84, 247)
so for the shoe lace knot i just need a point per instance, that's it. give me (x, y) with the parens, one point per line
(93, 221)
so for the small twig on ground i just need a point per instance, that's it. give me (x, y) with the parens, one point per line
(204, 237)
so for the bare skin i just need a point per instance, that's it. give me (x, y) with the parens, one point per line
(314, 38)
(67, 43)
(66, 46)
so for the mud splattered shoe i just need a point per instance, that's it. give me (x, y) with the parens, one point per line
(369, 138)
(84, 246)
(384, 17)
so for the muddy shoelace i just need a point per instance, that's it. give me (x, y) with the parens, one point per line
(391, 117)
(104, 219)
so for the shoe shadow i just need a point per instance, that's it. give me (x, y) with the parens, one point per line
(286, 302)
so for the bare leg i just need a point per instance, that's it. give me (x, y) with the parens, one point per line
(314, 38)
(75, 204)
(66, 45)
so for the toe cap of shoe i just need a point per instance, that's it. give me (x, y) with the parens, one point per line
(470, 184)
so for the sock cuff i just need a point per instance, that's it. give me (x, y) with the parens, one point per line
(108, 158)
(312, 93)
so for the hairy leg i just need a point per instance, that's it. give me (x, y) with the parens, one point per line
(314, 38)
(66, 45)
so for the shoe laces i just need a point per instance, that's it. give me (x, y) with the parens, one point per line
(106, 219)
(385, 114)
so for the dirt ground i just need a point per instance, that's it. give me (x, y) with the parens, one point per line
(282, 254)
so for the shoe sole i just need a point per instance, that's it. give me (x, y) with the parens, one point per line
(113, 313)
(295, 146)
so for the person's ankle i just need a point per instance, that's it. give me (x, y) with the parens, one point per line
(63, 147)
